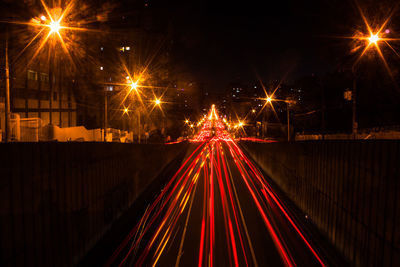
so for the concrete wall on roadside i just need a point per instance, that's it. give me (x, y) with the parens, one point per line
(349, 189)
(58, 199)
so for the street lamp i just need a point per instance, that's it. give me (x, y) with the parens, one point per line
(373, 39)
(375, 36)
(54, 26)
(268, 101)
(134, 86)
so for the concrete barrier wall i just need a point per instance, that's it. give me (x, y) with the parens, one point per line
(58, 199)
(349, 189)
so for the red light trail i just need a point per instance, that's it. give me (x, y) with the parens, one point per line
(217, 210)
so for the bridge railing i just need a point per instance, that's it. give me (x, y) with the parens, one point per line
(349, 189)
(58, 199)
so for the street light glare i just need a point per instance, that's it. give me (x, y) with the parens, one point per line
(54, 26)
(126, 110)
(157, 101)
(269, 99)
(374, 38)
(43, 18)
(134, 85)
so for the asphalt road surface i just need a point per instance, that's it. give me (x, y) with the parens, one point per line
(217, 210)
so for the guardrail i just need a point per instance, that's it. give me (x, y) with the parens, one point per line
(350, 189)
(58, 199)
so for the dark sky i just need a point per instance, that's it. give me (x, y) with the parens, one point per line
(221, 41)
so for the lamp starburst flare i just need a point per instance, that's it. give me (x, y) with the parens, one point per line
(55, 24)
(374, 37)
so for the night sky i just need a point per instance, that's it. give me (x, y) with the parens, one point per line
(221, 41)
(228, 41)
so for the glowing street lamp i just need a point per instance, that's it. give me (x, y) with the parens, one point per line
(134, 86)
(373, 39)
(157, 101)
(54, 26)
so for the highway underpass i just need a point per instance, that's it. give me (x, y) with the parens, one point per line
(217, 209)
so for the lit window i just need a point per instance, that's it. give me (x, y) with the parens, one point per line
(32, 75)
(101, 48)
(101, 68)
(127, 48)
(122, 49)
(44, 77)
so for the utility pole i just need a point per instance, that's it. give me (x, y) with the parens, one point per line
(288, 101)
(353, 97)
(138, 113)
(288, 122)
(105, 116)
(52, 83)
(323, 110)
(7, 117)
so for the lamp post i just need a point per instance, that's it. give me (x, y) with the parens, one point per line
(268, 101)
(7, 106)
(354, 104)
(105, 115)
(138, 114)
(288, 102)
(373, 39)
(288, 121)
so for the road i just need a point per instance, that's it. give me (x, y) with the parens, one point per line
(217, 210)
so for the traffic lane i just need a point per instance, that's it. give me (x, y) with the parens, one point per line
(137, 247)
(239, 233)
(223, 253)
(253, 187)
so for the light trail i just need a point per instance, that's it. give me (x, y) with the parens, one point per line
(209, 205)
